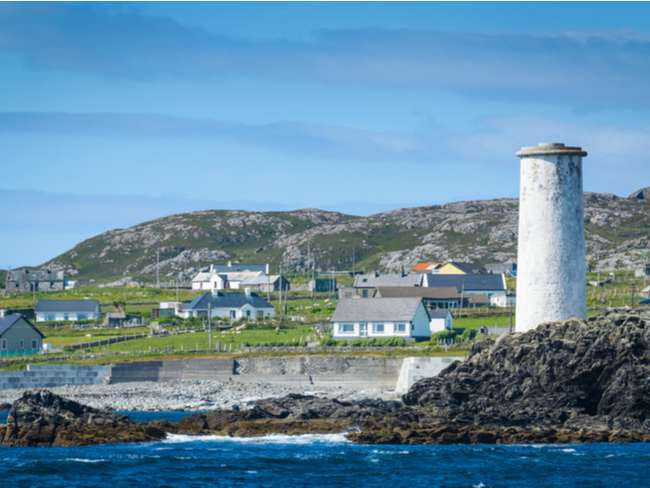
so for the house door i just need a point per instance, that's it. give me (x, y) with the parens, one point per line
(363, 330)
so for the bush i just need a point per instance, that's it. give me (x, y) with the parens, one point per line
(468, 334)
(443, 335)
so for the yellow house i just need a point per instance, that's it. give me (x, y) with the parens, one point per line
(460, 269)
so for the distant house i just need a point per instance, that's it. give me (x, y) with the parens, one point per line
(498, 268)
(438, 297)
(17, 334)
(25, 280)
(455, 268)
(365, 285)
(120, 319)
(488, 284)
(62, 310)
(503, 300)
(231, 305)
(320, 286)
(167, 309)
(381, 317)
(223, 277)
(441, 319)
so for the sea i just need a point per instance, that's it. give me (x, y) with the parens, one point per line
(320, 460)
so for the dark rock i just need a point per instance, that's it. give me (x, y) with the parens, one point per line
(572, 375)
(5, 407)
(642, 194)
(42, 419)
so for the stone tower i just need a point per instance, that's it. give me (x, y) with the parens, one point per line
(551, 280)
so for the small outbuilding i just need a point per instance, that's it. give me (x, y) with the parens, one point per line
(18, 335)
(381, 317)
(441, 319)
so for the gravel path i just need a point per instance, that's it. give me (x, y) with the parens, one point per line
(182, 395)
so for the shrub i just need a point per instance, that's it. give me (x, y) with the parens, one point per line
(443, 335)
(468, 334)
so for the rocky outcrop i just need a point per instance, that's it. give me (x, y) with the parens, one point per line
(42, 419)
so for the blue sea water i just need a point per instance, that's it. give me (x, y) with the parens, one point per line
(322, 460)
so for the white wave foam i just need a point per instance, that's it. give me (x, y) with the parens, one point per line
(80, 460)
(269, 439)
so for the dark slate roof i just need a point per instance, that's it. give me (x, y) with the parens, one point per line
(237, 268)
(376, 309)
(227, 300)
(8, 321)
(67, 305)
(472, 282)
(469, 268)
(374, 280)
(438, 313)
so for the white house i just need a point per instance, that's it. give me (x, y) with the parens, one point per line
(221, 277)
(441, 319)
(503, 300)
(231, 305)
(381, 317)
(56, 310)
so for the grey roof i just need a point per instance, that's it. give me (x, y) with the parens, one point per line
(376, 309)
(8, 321)
(260, 280)
(375, 280)
(67, 306)
(237, 268)
(227, 300)
(417, 292)
(472, 282)
(439, 313)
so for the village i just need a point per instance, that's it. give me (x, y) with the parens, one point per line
(235, 307)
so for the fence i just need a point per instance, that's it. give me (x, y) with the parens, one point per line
(24, 352)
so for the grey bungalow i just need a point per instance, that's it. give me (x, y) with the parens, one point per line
(17, 334)
(231, 305)
(49, 310)
(381, 317)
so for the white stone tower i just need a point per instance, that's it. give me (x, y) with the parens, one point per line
(551, 280)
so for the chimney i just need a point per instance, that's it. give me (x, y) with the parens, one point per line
(248, 292)
(2, 312)
(551, 278)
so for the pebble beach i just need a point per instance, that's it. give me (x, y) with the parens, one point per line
(188, 395)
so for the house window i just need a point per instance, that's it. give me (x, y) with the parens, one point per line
(22, 343)
(365, 293)
(248, 313)
(400, 328)
(50, 316)
(82, 316)
(346, 328)
(4, 343)
(34, 344)
(65, 316)
(378, 328)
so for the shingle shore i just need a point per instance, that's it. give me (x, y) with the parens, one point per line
(180, 395)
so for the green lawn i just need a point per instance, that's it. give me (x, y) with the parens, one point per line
(200, 340)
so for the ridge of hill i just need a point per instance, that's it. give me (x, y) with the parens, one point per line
(483, 231)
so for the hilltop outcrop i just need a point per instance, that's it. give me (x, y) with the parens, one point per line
(482, 231)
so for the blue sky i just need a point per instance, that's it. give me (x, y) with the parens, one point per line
(116, 113)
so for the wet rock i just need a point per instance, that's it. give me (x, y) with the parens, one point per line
(42, 419)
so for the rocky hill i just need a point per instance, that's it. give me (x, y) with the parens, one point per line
(480, 231)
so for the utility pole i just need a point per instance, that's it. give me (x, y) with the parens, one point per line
(598, 265)
(462, 295)
(157, 268)
(210, 326)
(632, 298)
(510, 315)
(645, 268)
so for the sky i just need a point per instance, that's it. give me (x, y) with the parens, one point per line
(112, 114)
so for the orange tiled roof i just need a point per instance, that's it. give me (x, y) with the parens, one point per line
(421, 266)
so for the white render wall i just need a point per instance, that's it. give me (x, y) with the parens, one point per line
(551, 281)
